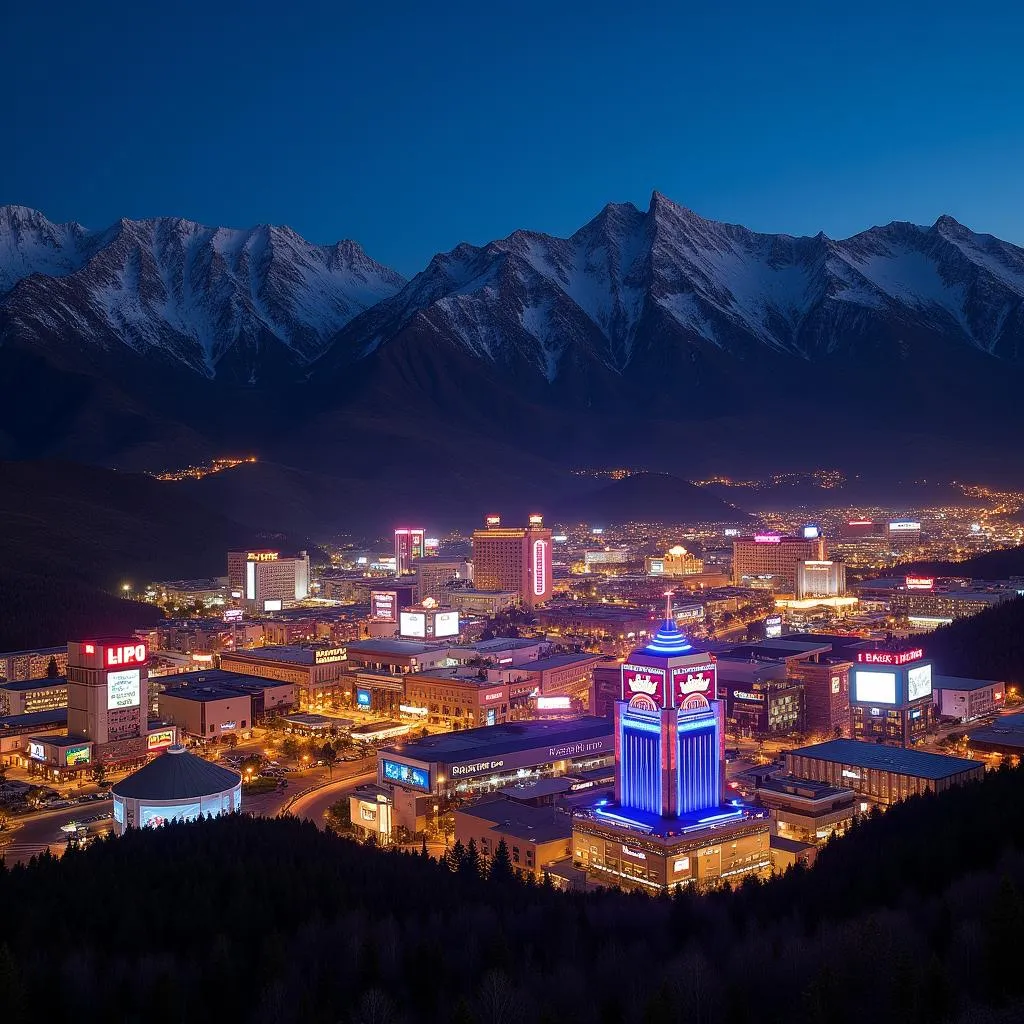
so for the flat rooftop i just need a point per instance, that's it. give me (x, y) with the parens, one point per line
(521, 821)
(216, 678)
(291, 654)
(537, 789)
(560, 661)
(202, 694)
(34, 684)
(917, 763)
(388, 646)
(1007, 732)
(65, 741)
(793, 785)
(692, 825)
(35, 650)
(58, 718)
(777, 651)
(960, 683)
(506, 738)
(501, 643)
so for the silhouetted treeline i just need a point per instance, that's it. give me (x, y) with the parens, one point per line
(44, 612)
(989, 565)
(915, 916)
(986, 646)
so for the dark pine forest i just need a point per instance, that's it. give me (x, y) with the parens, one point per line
(915, 916)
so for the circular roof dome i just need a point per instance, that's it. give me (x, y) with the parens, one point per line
(176, 775)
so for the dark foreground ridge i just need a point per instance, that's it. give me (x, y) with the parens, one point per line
(274, 921)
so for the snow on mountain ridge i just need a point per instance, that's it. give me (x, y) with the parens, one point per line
(199, 294)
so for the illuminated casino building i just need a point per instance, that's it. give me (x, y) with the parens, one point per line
(770, 560)
(409, 545)
(669, 824)
(267, 581)
(516, 559)
(891, 699)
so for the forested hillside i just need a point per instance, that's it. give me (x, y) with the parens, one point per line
(914, 917)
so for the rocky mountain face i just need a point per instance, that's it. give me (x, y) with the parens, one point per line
(161, 333)
(221, 302)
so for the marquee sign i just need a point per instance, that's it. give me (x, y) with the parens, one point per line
(540, 568)
(643, 687)
(890, 657)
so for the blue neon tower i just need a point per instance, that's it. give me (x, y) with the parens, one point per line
(668, 729)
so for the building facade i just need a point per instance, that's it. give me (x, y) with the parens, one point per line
(516, 559)
(267, 581)
(770, 560)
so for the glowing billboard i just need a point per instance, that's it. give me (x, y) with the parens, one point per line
(919, 682)
(643, 687)
(77, 755)
(362, 698)
(540, 568)
(890, 657)
(446, 624)
(384, 605)
(123, 689)
(233, 614)
(767, 538)
(554, 703)
(413, 624)
(694, 685)
(406, 774)
(124, 654)
(154, 817)
(870, 687)
(159, 740)
(36, 751)
(272, 604)
(773, 627)
(904, 526)
(920, 583)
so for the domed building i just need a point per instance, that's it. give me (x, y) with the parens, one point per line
(177, 786)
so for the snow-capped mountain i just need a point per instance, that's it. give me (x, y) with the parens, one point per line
(164, 335)
(633, 287)
(221, 301)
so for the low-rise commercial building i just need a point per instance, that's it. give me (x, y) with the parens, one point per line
(458, 765)
(457, 697)
(27, 696)
(880, 773)
(536, 837)
(967, 699)
(314, 670)
(207, 712)
(16, 666)
(805, 810)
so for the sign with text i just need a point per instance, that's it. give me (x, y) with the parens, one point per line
(890, 657)
(643, 687)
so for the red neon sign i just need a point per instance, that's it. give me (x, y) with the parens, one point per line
(540, 568)
(920, 583)
(89, 648)
(890, 657)
(124, 654)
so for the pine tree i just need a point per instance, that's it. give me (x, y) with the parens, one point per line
(501, 864)
(52, 672)
(470, 866)
(456, 856)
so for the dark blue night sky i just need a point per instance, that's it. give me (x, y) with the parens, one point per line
(411, 127)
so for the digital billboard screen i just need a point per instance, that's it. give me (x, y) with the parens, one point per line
(77, 755)
(384, 605)
(362, 698)
(123, 689)
(406, 774)
(919, 682)
(412, 624)
(643, 686)
(36, 751)
(871, 687)
(272, 604)
(446, 624)
(160, 739)
(154, 817)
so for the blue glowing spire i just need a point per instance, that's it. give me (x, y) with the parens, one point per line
(669, 640)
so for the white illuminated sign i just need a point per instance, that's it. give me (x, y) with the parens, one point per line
(904, 526)
(446, 624)
(919, 682)
(250, 581)
(554, 703)
(412, 624)
(874, 687)
(36, 751)
(123, 689)
(540, 568)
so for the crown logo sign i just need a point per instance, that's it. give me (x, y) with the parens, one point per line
(643, 684)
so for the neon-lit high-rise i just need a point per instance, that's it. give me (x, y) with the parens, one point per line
(669, 824)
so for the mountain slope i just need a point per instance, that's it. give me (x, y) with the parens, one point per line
(162, 340)
(220, 301)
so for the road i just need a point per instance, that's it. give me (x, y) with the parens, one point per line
(313, 805)
(41, 830)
